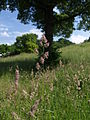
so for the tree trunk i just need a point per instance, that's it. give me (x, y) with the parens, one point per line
(49, 24)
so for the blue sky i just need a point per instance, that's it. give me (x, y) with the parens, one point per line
(10, 28)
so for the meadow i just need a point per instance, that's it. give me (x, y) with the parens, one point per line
(61, 93)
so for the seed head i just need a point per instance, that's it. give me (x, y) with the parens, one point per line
(37, 66)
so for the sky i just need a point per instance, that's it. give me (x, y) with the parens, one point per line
(10, 28)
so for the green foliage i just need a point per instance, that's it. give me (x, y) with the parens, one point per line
(61, 43)
(64, 42)
(3, 48)
(54, 55)
(87, 40)
(26, 43)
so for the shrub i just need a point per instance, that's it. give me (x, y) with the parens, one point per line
(48, 55)
(54, 56)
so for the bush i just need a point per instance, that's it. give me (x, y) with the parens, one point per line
(54, 55)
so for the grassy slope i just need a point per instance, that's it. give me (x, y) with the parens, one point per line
(77, 53)
(58, 88)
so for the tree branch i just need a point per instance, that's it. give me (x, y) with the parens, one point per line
(78, 12)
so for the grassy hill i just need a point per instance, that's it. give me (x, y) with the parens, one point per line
(62, 93)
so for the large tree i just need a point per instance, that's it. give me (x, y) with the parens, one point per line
(42, 14)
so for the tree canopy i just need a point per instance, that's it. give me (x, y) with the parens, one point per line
(26, 43)
(42, 14)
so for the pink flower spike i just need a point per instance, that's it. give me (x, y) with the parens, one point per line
(42, 60)
(47, 44)
(41, 43)
(43, 39)
(46, 55)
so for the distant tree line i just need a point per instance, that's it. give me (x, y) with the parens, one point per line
(27, 43)
(88, 40)
(62, 42)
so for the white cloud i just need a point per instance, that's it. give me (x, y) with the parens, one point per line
(15, 33)
(4, 34)
(78, 38)
(37, 32)
(2, 25)
(34, 31)
(3, 29)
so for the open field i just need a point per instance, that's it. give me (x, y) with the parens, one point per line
(62, 93)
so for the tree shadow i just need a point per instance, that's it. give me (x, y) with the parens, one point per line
(10, 66)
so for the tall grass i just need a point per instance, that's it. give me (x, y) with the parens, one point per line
(49, 95)
(77, 54)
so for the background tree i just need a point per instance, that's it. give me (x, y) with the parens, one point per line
(26, 43)
(88, 40)
(3, 48)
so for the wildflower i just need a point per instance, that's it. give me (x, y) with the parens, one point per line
(79, 88)
(32, 73)
(76, 78)
(15, 116)
(16, 78)
(46, 55)
(32, 95)
(82, 67)
(60, 63)
(37, 66)
(25, 94)
(41, 43)
(46, 45)
(34, 107)
(80, 83)
(43, 38)
(51, 87)
(42, 60)
(42, 55)
(68, 90)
